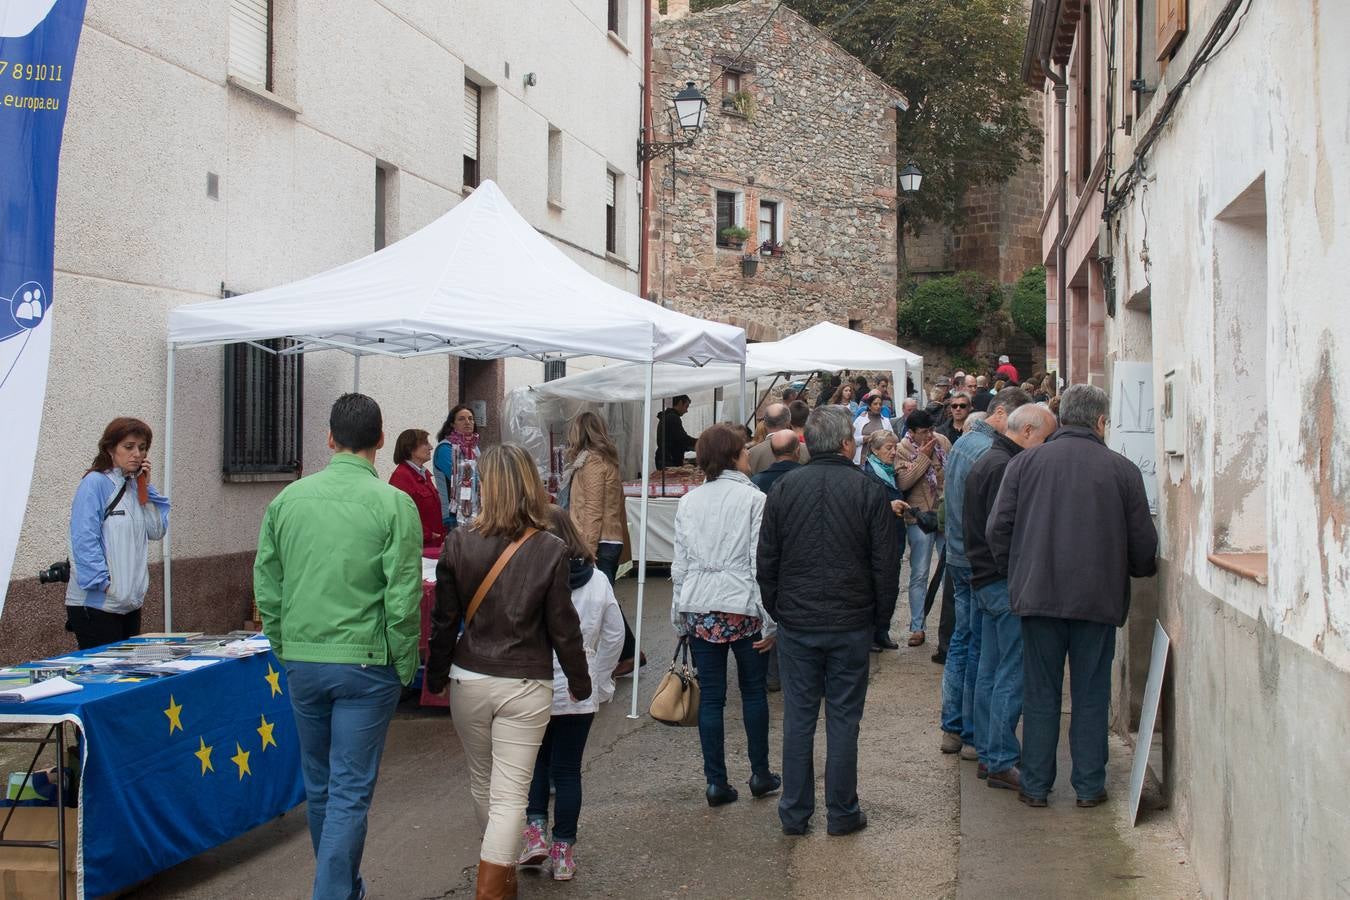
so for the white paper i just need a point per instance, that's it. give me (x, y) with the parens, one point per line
(96, 662)
(52, 687)
(183, 665)
(429, 569)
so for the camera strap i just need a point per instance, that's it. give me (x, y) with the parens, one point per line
(116, 499)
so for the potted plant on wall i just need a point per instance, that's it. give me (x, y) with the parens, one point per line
(734, 237)
(749, 264)
(771, 248)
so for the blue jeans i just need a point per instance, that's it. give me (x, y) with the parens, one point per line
(832, 665)
(971, 732)
(998, 686)
(921, 544)
(559, 762)
(954, 670)
(711, 660)
(342, 715)
(1090, 647)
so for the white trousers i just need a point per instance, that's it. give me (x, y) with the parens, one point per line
(500, 722)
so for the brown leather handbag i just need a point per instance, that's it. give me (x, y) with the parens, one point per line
(676, 698)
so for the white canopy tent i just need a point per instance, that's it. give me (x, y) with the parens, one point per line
(849, 349)
(478, 282)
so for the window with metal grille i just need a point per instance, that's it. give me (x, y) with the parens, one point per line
(250, 57)
(555, 369)
(473, 97)
(612, 213)
(263, 392)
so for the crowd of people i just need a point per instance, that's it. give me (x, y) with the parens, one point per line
(1035, 524)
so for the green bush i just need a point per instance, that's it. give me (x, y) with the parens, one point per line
(949, 311)
(1028, 302)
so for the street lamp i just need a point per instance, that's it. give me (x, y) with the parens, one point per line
(911, 177)
(691, 109)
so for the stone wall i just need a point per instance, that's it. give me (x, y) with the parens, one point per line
(814, 131)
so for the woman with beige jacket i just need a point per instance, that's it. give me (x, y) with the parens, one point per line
(592, 493)
(920, 470)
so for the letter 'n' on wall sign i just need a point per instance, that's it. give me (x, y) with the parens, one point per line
(1171, 26)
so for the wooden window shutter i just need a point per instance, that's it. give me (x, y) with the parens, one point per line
(250, 43)
(472, 96)
(1171, 26)
(612, 190)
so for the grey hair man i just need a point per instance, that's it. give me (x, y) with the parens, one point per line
(1070, 526)
(826, 615)
(777, 416)
(963, 647)
(982, 396)
(906, 407)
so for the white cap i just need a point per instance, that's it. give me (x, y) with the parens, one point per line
(1002, 359)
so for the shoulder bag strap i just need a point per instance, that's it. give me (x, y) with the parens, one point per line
(491, 577)
(116, 499)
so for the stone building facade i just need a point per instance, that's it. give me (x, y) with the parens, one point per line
(798, 148)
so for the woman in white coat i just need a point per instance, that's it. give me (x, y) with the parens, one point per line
(717, 607)
(559, 760)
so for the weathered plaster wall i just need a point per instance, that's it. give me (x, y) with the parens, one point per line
(1258, 702)
(818, 137)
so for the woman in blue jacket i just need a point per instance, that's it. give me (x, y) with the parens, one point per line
(116, 513)
(879, 465)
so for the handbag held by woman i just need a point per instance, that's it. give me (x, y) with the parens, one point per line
(676, 698)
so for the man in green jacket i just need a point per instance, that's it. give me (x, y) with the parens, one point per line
(338, 581)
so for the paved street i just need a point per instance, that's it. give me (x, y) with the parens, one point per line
(646, 831)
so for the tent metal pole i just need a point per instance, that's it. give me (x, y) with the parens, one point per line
(744, 410)
(642, 533)
(168, 491)
(356, 375)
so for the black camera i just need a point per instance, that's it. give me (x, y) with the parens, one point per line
(56, 572)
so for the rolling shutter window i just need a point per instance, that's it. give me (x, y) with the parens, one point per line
(250, 27)
(612, 196)
(472, 93)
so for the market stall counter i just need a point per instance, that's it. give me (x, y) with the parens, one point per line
(180, 751)
(664, 493)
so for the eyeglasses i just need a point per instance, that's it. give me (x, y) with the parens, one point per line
(960, 406)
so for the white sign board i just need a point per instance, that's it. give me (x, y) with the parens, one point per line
(1148, 716)
(1131, 430)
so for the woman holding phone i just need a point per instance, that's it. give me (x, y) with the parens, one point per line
(116, 513)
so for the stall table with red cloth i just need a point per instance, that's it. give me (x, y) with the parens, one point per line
(428, 604)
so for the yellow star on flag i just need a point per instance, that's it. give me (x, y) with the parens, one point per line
(265, 732)
(240, 759)
(273, 678)
(175, 713)
(204, 754)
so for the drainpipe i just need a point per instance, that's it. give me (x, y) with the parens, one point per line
(644, 223)
(1061, 83)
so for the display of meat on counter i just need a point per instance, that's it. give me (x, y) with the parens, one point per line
(667, 483)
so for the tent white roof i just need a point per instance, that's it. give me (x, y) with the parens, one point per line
(849, 349)
(478, 282)
(624, 382)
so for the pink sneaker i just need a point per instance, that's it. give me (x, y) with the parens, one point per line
(536, 848)
(564, 866)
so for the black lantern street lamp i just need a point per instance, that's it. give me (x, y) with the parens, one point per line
(911, 177)
(691, 107)
(690, 110)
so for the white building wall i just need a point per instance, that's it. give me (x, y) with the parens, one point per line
(1256, 718)
(152, 112)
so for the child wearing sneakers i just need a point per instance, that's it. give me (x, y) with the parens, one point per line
(559, 760)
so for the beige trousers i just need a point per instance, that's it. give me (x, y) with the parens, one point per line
(500, 722)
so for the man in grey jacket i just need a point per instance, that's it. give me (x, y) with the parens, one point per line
(1071, 526)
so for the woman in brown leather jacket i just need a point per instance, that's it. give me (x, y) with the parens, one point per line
(592, 494)
(500, 668)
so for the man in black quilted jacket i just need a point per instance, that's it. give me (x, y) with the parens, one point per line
(828, 571)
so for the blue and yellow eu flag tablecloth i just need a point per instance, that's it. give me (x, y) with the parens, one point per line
(176, 765)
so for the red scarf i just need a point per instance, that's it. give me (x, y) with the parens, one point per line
(467, 443)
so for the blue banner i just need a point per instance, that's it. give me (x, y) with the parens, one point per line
(38, 39)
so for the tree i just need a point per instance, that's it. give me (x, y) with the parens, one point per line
(958, 63)
(949, 311)
(1028, 302)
